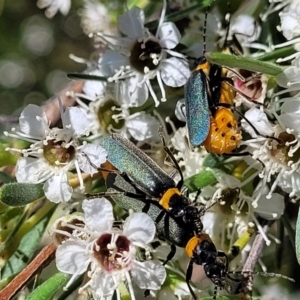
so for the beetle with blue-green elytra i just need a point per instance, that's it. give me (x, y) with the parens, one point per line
(131, 192)
(144, 186)
(150, 179)
(208, 101)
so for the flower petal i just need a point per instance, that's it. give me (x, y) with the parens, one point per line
(225, 179)
(94, 154)
(270, 209)
(75, 117)
(149, 274)
(54, 6)
(111, 61)
(94, 88)
(246, 28)
(292, 106)
(140, 228)
(290, 183)
(30, 169)
(29, 123)
(142, 126)
(98, 214)
(57, 188)
(168, 35)
(133, 93)
(103, 286)
(174, 71)
(72, 258)
(291, 121)
(259, 120)
(290, 24)
(131, 23)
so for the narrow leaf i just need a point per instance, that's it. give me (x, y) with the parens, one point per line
(278, 53)
(246, 63)
(27, 247)
(48, 289)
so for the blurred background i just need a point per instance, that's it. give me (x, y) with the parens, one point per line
(34, 53)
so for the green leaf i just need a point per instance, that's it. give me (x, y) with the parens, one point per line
(19, 194)
(10, 238)
(22, 226)
(297, 240)
(199, 181)
(6, 158)
(251, 64)
(278, 53)
(71, 288)
(5, 178)
(48, 289)
(27, 248)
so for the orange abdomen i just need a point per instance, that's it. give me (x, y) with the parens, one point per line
(224, 135)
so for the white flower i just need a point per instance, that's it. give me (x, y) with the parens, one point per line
(190, 160)
(278, 157)
(53, 6)
(275, 5)
(261, 122)
(289, 78)
(237, 212)
(290, 27)
(94, 89)
(55, 151)
(108, 253)
(245, 27)
(106, 114)
(95, 17)
(141, 56)
(290, 24)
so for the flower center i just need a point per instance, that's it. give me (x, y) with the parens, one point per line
(62, 226)
(230, 197)
(288, 150)
(145, 55)
(112, 255)
(55, 153)
(106, 117)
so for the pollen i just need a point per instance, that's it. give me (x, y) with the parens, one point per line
(55, 153)
(112, 255)
(145, 55)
